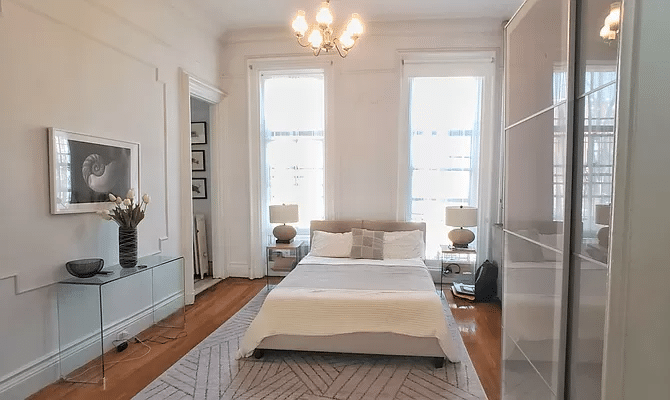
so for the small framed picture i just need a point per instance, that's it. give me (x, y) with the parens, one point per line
(198, 132)
(199, 188)
(198, 160)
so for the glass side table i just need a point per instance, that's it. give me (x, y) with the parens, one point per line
(452, 260)
(92, 311)
(282, 258)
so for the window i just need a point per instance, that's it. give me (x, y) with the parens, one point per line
(292, 140)
(598, 159)
(444, 125)
(598, 144)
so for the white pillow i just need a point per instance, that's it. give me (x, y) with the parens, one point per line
(327, 244)
(402, 245)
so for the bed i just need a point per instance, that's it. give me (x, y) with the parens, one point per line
(355, 305)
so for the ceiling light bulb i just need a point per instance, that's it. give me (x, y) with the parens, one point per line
(346, 40)
(612, 20)
(315, 38)
(300, 23)
(355, 25)
(324, 17)
(607, 34)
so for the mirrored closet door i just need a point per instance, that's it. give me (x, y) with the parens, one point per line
(560, 103)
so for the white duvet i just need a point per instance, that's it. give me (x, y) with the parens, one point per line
(331, 296)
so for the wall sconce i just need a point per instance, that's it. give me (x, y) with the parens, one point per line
(610, 29)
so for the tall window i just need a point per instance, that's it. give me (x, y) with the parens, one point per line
(292, 129)
(445, 121)
(598, 145)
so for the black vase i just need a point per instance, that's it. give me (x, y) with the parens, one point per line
(127, 247)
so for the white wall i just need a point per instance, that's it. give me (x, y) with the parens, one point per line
(103, 68)
(638, 347)
(366, 113)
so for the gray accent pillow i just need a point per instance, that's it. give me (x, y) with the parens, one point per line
(367, 244)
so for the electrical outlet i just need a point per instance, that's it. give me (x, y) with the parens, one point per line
(123, 335)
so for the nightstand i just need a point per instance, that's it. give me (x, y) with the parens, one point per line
(453, 259)
(282, 258)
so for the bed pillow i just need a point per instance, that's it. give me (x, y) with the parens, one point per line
(367, 244)
(327, 244)
(402, 245)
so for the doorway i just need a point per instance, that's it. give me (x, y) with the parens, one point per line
(201, 181)
(206, 146)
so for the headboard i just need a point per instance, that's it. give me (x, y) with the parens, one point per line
(341, 226)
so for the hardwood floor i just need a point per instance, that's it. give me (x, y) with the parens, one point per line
(479, 324)
(480, 327)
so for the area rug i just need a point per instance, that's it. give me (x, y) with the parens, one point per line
(210, 371)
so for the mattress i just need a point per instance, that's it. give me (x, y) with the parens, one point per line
(335, 296)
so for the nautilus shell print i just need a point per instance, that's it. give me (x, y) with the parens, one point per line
(99, 175)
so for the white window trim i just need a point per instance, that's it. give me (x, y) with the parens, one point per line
(258, 210)
(444, 64)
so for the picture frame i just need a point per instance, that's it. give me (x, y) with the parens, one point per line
(199, 188)
(198, 132)
(85, 169)
(198, 160)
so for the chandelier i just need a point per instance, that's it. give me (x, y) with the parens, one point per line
(610, 29)
(321, 36)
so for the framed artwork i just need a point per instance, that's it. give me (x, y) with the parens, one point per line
(197, 160)
(199, 188)
(198, 132)
(84, 170)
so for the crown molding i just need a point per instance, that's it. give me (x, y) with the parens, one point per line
(413, 28)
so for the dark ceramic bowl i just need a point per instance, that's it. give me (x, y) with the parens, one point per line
(85, 268)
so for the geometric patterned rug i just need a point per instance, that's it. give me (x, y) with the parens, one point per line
(210, 371)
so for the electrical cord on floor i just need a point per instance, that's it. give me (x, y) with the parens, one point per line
(162, 339)
(109, 364)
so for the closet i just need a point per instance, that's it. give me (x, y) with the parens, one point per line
(560, 113)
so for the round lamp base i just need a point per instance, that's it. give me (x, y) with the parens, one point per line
(461, 237)
(604, 236)
(284, 233)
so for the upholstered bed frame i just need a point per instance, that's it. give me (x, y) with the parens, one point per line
(362, 342)
(346, 226)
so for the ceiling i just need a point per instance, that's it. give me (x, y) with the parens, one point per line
(237, 14)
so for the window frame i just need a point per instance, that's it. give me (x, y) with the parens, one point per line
(260, 228)
(452, 64)
(301, 232)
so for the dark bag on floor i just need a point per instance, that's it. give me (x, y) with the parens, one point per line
(486, 281)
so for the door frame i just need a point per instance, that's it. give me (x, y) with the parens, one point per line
(191, 86)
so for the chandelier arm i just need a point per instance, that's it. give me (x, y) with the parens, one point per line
(316, 51)
(340, 51)
(298, 37)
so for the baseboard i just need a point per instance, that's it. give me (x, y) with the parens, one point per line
(240, 270)
(44, 371)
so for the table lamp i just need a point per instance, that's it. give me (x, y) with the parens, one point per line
(603, 212)
(284, 214)
(461, 216)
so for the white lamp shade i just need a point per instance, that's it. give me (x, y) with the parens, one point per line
(603, 214)
(460, 216)
(284, 214)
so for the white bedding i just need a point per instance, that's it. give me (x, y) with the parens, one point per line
(331, 296)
